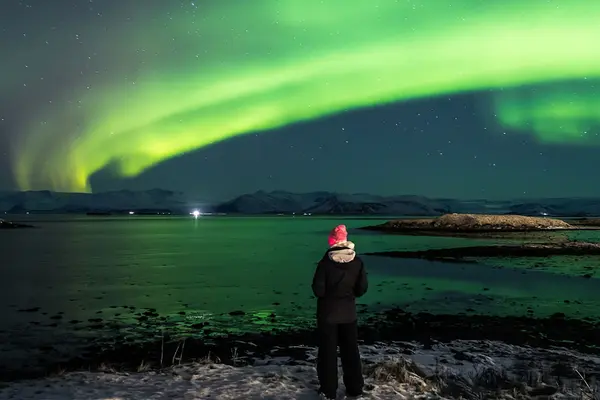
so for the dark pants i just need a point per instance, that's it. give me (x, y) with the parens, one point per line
(346, 336)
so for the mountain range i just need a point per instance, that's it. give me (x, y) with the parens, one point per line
(48, 202)
(159, 201)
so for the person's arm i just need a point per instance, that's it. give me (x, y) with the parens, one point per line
(319, 281)
(362, 284)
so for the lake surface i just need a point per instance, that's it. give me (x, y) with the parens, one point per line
(77, 269)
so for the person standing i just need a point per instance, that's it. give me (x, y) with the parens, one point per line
(339, 279)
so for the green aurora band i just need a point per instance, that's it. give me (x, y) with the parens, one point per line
(556, 113)
(251, 66)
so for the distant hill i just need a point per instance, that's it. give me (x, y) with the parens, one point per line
(280, 202)
(159, 201)
(565, 207)
(123, 201)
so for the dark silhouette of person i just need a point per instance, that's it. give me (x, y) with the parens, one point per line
(339, 279)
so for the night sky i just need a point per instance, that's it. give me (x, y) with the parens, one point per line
(444, 98)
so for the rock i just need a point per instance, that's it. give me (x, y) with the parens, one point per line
(4, 224)
(543, 391)
(567, 248)
(34, 309)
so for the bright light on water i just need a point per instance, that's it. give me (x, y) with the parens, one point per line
(196, 213)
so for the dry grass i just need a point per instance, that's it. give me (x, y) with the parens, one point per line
(144, 366)
(107, 368)
(403, 371)
(533, 382)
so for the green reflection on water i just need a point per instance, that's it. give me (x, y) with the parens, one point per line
(263, 266)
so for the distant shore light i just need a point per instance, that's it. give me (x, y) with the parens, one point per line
(196, 213)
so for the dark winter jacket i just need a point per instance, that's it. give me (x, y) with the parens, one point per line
(339, 279)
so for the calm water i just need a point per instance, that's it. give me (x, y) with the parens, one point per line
(81, 268)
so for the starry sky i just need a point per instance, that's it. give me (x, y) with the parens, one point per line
(461, 98)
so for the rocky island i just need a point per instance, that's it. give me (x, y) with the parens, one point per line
(471, 223)
(4, 224)
(493, 226)
(484, 226)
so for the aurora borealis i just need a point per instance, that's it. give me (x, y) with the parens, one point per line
(127, 88)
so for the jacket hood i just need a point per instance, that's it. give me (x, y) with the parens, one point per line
(342, 252)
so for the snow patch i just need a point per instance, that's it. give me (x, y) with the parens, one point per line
(283, 378)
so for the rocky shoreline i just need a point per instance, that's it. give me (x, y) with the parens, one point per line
(160, 346)
(564, 248)
(586, 222)
(391, 325)
(4, 224)
(462, 369)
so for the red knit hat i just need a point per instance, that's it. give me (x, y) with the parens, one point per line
(338, 234)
